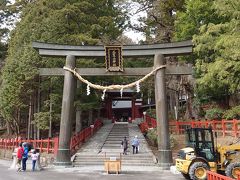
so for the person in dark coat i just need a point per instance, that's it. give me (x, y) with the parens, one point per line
(125, 145)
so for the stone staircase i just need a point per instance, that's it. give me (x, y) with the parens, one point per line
(115, 137)
(107, 143)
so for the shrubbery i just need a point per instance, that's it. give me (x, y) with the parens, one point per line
(233, 113)
(152, 136)
(214, 113)
(152, 113)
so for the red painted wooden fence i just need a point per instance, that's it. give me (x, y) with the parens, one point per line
(224, 127)
(51, 145)
(44, 145)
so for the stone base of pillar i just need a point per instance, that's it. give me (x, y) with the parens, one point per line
(165, 159)
(164, 166)
(63, 164)
(63, 158)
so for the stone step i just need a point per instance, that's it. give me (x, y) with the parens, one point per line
(112, 145)
(112, 141)
(109, 150)
(123, 163)
(115, 136)
(123, 160)
(102, 154)
(128, 156)
(117, 144)
(112, 149)
(118, 128)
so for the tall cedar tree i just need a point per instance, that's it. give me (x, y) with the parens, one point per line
(74, 22)
(214, 26)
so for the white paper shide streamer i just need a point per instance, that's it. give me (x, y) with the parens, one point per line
(138, 86)
(121, 92)
(88, 90)
(103, 95)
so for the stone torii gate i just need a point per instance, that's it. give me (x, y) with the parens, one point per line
(158, 51)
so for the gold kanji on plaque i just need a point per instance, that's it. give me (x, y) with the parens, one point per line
(113, 58)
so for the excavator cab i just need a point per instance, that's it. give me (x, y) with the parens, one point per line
(199, 156)
(202, 141)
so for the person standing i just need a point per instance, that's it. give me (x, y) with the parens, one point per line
(25, 157)
(135, 144)
(19, 156)
(125, 145)
(34, 157)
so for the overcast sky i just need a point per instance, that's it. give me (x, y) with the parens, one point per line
(135, 36)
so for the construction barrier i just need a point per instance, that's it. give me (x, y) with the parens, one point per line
(215, 176)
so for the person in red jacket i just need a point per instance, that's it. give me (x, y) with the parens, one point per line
(19, 156)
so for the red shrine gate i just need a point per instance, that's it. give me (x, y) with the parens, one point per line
(123, 109)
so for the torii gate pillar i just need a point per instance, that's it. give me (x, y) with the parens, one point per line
(63, 155)
(164, 151)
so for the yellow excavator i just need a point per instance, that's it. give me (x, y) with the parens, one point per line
(203, 154)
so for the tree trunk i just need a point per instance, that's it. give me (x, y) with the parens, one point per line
(9, 129)
(50, 111)
(18, 122)
(176, 108)
(38, 103)
(35, 110)
(50, 119)
(189, 113)
(90, 117)
(98, 113)
(29, 134)
(78, 120)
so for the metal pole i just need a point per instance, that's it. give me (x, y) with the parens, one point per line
(63, 154)
(164, 151)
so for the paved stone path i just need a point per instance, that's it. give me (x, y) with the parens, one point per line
(60, 173)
